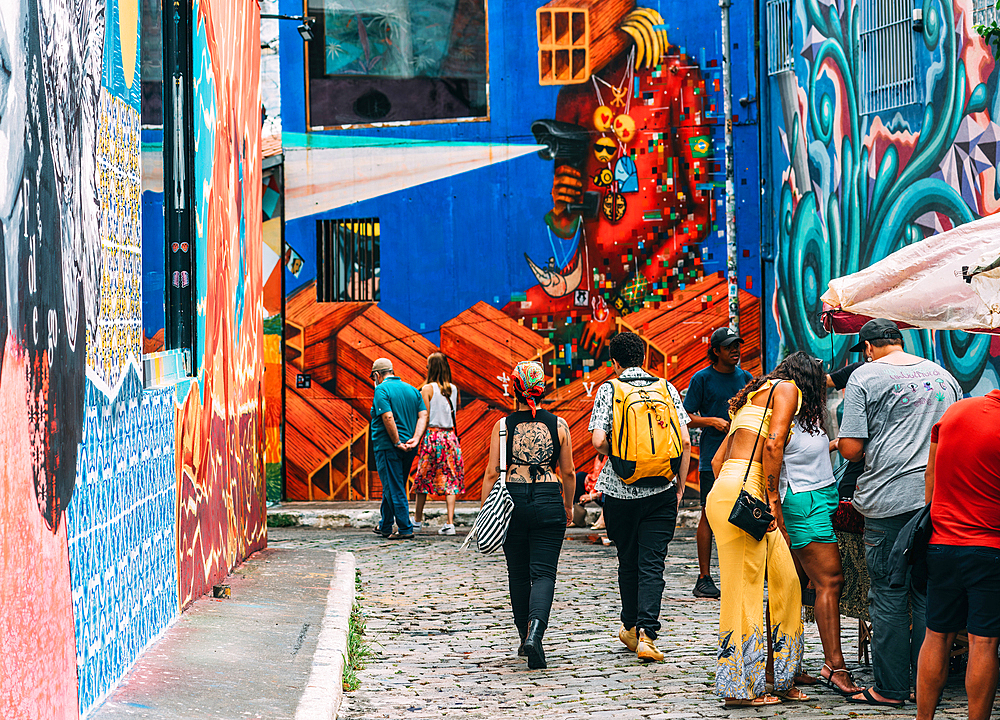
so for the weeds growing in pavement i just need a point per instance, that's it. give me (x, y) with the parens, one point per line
(357, 649)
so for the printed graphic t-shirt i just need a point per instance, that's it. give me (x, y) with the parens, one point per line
(894, 408)
(404, 401)
(708, 395)
(965, 506)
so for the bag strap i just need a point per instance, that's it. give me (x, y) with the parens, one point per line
(503, 451)
(753, 453)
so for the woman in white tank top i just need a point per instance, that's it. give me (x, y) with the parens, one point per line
(809, 498)
(440, 470)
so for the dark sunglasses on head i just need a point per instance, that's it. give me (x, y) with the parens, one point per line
(605, 146)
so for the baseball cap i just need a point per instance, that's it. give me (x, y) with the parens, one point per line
(874, 330)
(725, 336)
(382, 365)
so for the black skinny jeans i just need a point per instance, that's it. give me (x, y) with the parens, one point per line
(641, 530)
(534, 540)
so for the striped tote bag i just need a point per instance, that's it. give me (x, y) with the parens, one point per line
(493, 520)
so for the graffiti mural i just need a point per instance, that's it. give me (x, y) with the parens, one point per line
(272, 273)
(51, 52)
(634, 197)
(91, 487)
(855, 187)
(220, 432)
(48, 206)
(620, 138)
(121, 527)
(492, 254)
(121, 520)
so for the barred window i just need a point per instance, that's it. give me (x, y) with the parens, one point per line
(779, 36)
(984, 12)
(888, 64)
(347, 256)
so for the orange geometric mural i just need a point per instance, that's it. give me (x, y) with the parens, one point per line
(334, 344)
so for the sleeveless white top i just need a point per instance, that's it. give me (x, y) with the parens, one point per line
(806, 465)
(439, 413)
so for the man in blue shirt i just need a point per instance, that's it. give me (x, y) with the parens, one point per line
(707, 402)
(398, 421)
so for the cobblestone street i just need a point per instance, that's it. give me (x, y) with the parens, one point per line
(439, 624)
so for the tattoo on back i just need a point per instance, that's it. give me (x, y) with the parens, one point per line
(532, 444)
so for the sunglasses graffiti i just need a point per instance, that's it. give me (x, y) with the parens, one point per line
(604, 150)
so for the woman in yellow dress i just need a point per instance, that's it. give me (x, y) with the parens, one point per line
(761, 420)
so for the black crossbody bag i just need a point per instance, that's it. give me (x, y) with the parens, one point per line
(751, 514)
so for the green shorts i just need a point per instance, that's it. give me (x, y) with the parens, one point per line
(809, 515)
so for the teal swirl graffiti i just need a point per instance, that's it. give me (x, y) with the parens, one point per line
(820, 238)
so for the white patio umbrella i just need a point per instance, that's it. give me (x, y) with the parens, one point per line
(950, 281)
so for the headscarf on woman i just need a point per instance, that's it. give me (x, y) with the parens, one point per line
(529, 382)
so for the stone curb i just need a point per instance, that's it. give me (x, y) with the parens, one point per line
(354, 517)
(325, 689)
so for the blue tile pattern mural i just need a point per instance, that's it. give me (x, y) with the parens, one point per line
(121, 525)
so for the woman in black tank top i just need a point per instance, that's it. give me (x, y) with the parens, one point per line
(541, 479)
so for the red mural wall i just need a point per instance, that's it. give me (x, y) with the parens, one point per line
(220, 436)
(37, 645)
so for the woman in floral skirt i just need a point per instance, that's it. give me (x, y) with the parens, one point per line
(440, 470)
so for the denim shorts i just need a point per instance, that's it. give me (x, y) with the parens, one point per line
(809, 516)
(963, 585)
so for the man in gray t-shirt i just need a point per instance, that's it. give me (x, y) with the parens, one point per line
(890, 406)
(893, 408)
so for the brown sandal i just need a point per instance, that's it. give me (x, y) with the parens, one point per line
(761, 701)
(798, 695)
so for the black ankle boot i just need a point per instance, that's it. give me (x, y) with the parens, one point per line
(522, 632)
(533, 645)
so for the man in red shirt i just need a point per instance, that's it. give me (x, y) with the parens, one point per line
(963, 558)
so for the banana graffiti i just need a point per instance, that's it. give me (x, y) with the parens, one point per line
(644, 26)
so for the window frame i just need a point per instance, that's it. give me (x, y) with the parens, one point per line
(330, 233)
(394, 123)
(876, 34)
(984, 12)
(779, 17)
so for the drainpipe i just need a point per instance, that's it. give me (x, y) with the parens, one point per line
(732, 255)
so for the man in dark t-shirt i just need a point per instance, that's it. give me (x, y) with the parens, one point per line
(707, 402)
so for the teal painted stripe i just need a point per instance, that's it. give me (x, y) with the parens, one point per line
(317, 140)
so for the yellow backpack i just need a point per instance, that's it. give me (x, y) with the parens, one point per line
(646, 439)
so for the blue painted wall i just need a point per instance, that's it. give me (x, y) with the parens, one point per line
(450, 243)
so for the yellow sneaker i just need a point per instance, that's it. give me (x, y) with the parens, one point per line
(629, 638)
(646, 649)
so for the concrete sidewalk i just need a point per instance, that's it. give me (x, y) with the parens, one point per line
(361, 514)
(255, 654)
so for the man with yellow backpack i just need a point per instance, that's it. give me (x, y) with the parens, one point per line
(639, 422)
